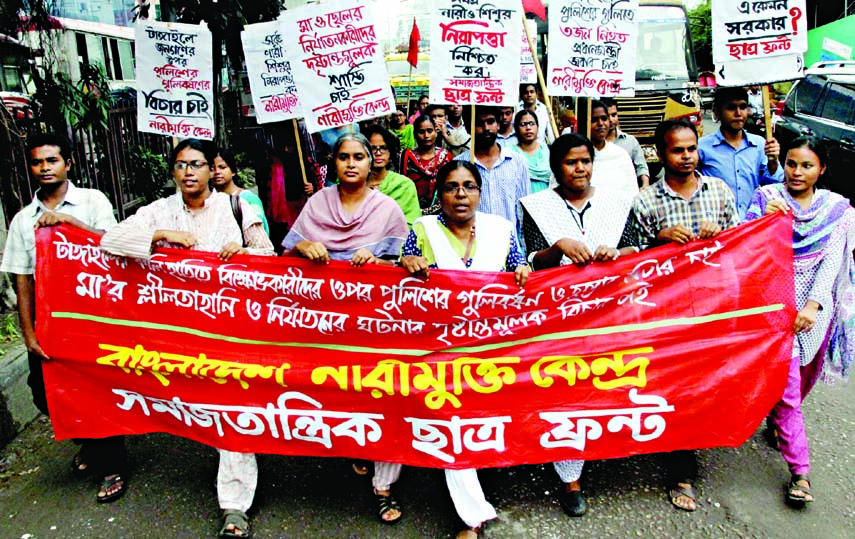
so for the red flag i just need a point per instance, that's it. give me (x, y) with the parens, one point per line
(413, 52)
(535, 7)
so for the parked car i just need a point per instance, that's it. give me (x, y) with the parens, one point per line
(823, 104)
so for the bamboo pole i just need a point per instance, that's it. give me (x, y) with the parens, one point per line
(472, 136)
(547, 101)
(409, 90)
(767, 113)
(300, 151)
(588, 119)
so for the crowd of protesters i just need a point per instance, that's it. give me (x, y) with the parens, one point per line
(420, 194)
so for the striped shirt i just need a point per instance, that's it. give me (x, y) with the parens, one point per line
(658, 207)
(503, 185)
(213, 226)
(88, 205)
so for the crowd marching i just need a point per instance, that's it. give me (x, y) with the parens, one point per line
(410, 194)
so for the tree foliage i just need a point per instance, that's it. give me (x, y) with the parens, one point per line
(700, 19)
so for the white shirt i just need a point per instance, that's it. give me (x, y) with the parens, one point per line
(87, 205)
(614, 170)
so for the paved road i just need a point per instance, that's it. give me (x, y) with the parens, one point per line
(172, 493)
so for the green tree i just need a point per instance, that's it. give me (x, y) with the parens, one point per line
(700, 19)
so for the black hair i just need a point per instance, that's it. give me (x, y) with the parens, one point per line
(728, 93)
(391, 141)
(666, 127)
(423, 96)
(519, 116)
(50, 139)
(422, 118)
(431, 108)
(445, 171)
(598, 104)
(525, 86)
(562, 146)
(609, 102)
(229, 157)
(205, 146)
(488, 109)
(812, 143)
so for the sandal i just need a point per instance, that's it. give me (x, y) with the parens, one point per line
(678, 491)
(386, 503)
(471, 533)
(794, 487)
(109, 482)
(238, 522)
(79, 467)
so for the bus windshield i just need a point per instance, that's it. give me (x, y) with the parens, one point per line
(664, 49)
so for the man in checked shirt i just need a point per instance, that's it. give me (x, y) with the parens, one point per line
(683, 207)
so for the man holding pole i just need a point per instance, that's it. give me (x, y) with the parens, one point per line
(504, 174)
(744, 161)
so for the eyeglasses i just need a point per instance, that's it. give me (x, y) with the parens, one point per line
(527, 124)
(379, 149)
(192, 165)
(468, 188)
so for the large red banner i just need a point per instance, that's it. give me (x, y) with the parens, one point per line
(678, 347)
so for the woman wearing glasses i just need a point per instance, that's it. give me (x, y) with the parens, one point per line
(536, 154)
(462, 238)
(575, 223)
(384, 148)
(197, 218)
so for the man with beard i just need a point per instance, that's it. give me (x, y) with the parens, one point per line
(504, 173)
(627, 142)
(613, 168)
(506, 134)
(684, 206)
(743, 160)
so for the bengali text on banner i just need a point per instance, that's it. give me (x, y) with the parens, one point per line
(674, 348)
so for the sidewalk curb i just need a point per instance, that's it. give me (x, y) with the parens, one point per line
(16, 403)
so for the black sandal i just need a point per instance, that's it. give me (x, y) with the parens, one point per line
(239, 523)
(676, 491)
(794, 487)
(109, 482)
(386, 503)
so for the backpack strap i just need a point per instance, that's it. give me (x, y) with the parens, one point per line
(237, 211)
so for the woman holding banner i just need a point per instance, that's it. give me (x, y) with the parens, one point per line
(462, 238)
(575, 223)
(353, 222)
(384, 146)
(824, 345)
(201, 219)
(422, 163)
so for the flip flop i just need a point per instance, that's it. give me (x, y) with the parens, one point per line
(109, 482)
(238, 521)
(678, 491)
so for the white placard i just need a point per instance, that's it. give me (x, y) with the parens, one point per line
(760, 70)
(475, 52)
(337, 63)
(274, 93)
(174, 78)
(750, 29)
(592, 47)
(528, 73)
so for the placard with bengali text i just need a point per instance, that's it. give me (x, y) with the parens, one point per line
(274, 93)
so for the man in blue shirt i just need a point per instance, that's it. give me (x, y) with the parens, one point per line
(744, 161)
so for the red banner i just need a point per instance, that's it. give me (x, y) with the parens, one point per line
(672, 348)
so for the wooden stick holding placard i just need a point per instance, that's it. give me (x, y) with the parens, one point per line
(588, 118)
(546, 100)
(300, 152)
(409, 90)
(767, 113)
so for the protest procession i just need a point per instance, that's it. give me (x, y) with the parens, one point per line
(439, 268)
